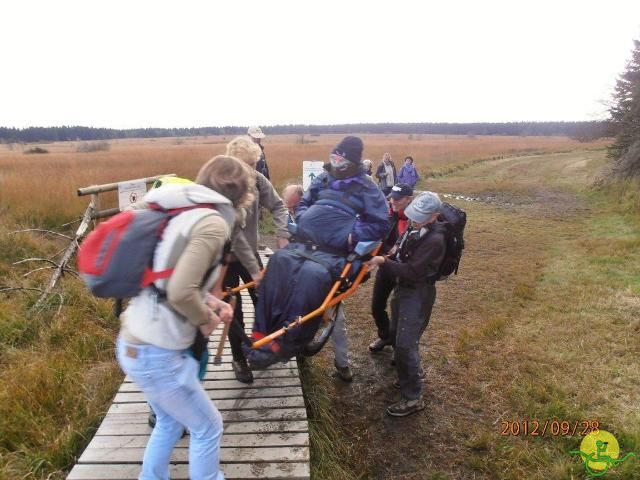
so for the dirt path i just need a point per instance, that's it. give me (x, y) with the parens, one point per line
(509, 233)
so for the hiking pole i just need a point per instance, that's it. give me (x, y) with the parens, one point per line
(217, 360)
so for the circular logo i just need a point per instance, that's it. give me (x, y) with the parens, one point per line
(599, 447)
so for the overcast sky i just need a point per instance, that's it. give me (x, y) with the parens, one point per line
(132, 63)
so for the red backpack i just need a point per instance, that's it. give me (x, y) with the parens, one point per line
(115, 260)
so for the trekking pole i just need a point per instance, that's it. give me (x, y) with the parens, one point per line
(217, 360)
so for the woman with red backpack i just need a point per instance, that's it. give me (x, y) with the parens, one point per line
(160, 323)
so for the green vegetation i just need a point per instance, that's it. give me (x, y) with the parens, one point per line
(58, 372)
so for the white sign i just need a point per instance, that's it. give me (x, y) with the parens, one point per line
(310, 170)
(130, 192)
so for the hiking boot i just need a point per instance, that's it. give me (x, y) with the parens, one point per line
(242, 371)
(377, 345)
(344, 373)
(405, 407)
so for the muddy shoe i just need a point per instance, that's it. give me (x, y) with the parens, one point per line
(344, 373)
(242, 371)
(377, 345)
(405, 407)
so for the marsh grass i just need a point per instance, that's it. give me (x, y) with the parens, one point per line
(331, 452)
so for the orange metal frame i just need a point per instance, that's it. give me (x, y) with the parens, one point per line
(331, 300)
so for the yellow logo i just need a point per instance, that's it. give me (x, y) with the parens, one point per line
(600, 451)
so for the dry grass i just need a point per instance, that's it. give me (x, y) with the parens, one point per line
(40, 189)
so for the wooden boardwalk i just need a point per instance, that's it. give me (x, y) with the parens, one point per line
(266, 432)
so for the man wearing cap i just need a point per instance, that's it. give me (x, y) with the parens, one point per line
(415, 266)
(399, 199)
(256, 135)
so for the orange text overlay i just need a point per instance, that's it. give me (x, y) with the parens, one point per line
(552, 428)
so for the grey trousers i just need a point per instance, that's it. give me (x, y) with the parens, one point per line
(339, 339)
(410, 309)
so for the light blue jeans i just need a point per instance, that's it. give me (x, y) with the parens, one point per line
(169, 380)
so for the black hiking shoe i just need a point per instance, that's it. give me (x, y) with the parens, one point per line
(405, 407)
(377, 345)
(242, 371)
(343, 373)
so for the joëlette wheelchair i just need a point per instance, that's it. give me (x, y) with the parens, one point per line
(343, 287)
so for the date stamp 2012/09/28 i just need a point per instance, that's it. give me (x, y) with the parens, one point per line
(553, 428)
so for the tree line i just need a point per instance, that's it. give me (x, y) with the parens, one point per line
(625, 119)
(580, 130)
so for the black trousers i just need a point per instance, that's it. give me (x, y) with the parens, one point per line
(411, 309)
(236, 272)
(382, 288)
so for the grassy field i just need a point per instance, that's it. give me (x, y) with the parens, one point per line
(540, 324)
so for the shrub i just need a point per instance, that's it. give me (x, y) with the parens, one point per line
(36, 150)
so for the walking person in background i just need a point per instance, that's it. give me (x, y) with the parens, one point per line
(245, 266)
(386, 174)
(416, 264)
(367, 166)
(399, 199)
(155, 335)
(261, 165)
(408, 173)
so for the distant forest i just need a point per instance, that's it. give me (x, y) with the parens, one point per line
(579, 130)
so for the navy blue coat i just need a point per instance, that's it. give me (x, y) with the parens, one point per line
(332, 209)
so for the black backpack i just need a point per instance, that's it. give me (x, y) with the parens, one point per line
(454, 220)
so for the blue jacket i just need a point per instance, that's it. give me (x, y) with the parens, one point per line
(332, 209)
(409, 175)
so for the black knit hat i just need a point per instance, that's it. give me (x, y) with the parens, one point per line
(350, 148)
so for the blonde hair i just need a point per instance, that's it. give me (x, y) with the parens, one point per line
(245, 149)
(229, 177)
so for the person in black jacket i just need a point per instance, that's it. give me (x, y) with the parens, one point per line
(400, 197)
(420, 252)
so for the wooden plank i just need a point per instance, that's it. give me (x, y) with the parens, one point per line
(261, 440)
(228, 416)
(232, 471)
(215, 394)
(232, 384)
(237, 404)
(142, 428)
(181, 455)
(258, 374)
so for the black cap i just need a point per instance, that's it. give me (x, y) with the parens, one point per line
(350, 148)
(400, 190)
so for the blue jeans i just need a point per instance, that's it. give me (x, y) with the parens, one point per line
(169, 380)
